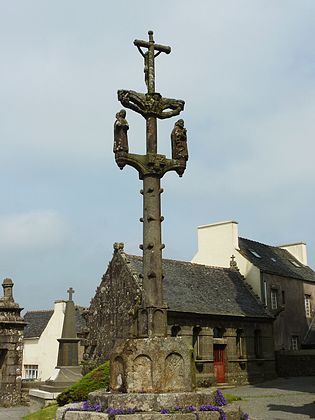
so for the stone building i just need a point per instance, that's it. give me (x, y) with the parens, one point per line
(279, 275)
(11, 347)
(211, 307)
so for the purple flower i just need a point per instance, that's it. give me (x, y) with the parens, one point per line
(165, 411)
(244, 416)
(209, 407)
(219, 398)
(190, 408)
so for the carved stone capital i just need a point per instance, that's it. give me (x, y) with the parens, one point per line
(150, 164)
(150, 104)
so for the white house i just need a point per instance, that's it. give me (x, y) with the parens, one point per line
(41, 344)
(278, 275)
(40, 341)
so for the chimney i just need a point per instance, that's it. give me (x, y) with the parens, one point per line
(216, 243)
(298, 250)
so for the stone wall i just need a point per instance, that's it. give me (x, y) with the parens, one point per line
(296, 363)
(11, 347)
(110, 315)
(241, 364)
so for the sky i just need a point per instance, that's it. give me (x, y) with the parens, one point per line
(246, 70)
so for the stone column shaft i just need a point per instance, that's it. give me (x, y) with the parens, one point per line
(152, 246)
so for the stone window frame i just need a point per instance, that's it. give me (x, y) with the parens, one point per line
(31, 372)
(240, 343)
(294, 343)
(274, 298)
(308, 306)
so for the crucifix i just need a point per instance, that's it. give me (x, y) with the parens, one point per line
(70, 291)
(151, 319)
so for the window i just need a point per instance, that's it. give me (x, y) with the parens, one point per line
(283, 297)
(258, 344)
(274, 298)
(175, 330)
(294, 342)
(295, 263)
(218, 332)
(31, 371)
(240, 343)
(307, 302)
(255, 253)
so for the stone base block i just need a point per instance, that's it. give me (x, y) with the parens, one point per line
(231, 414)
(44, 395)
(63, 377)
(158, 364)
(150, 401)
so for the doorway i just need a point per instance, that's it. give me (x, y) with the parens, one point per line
(218, 362)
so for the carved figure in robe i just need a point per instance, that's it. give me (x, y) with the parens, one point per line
(179, 141)
(120, 132)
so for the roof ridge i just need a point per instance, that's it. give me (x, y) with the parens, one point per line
(39, 310)
(184, 262)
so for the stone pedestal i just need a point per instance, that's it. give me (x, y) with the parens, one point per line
(152, 365)
(63, 377)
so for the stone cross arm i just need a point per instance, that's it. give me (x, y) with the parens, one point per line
(70, 291)
(157, 47)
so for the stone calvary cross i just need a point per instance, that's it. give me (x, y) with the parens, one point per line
(151, 167)
(150, 361)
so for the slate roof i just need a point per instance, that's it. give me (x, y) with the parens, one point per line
(38, 320)
(275, 260)
(200, 289)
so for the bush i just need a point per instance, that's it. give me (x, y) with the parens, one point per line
(96, 379)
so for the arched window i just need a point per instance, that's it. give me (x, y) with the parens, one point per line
(175, 330)
(218, 332)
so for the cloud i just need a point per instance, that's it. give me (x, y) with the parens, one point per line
(32, 231)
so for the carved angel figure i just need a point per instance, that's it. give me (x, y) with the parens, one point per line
(179, 141)
(120, 132)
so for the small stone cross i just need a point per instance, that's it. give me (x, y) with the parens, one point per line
(70, 291)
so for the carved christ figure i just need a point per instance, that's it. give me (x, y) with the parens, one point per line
(179, 141)
(120, 132)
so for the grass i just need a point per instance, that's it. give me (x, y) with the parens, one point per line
(230, 398)
(47, 413)
(96, 379)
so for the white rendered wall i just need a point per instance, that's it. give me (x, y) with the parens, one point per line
(298, 250)
(217, 242)
(44, 350)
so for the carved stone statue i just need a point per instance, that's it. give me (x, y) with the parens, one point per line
(179, 141)
(120, 132)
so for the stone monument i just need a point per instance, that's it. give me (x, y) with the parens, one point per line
(151, 362)
(67, 371)
(11, 347)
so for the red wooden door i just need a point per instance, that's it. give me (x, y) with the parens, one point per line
(218, 361)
